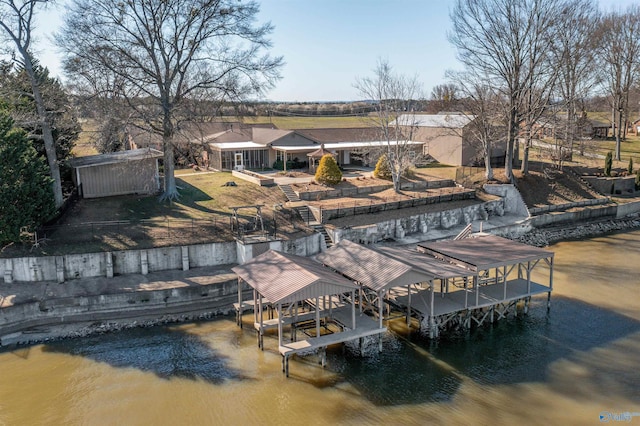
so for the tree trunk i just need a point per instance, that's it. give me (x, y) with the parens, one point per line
(170, 190)
(511, 136)
(618, 134)
(488, 170)
(525, 156)
(47, 136)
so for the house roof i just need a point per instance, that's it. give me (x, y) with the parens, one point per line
(452, 121)
(115, 157)
(284, 278)
(345, 145)
(353, 134)
(484, 252)
(370, 267)
(267, 136)
(230, 135)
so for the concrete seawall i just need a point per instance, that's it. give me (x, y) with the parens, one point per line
(48, 309)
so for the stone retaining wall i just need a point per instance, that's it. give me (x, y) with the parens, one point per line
(323, 215)
(612, 185)
(256, 178)
(561, 207)
(421, 223)
(360, 190)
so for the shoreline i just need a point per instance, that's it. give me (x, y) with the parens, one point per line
(541, 237)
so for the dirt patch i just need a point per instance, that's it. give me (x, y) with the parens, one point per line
(544, 185)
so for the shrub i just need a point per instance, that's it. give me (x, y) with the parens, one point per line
(328, 171)
(608, 163)
(637, 179)
(382, 170)
(630, 166)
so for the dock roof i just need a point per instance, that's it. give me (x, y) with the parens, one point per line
(371, 267)
(484, 252)
(438, 268)
(284, 278)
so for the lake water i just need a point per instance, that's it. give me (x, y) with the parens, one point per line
(568, 366)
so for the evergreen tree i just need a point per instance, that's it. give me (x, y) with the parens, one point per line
(630, 166)
(15, 90)
(25, 184)
(382, 170)
(608, 163)
(328, 171)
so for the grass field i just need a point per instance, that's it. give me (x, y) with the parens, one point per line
(202, 195)
(318, 122)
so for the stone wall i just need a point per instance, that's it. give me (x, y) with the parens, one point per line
(323, 215)
(359, 190)
(513, 202)
(421, 223)
(612, 185)
(255, 178)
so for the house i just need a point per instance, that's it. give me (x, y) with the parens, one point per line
(258, 147)
(447, 138)
(355, 146)
(117, 173)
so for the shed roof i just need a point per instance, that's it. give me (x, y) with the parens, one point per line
(485, 252)
(115, 157)
(370, 267)
(283, 278)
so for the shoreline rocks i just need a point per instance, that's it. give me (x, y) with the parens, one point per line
(543, 237)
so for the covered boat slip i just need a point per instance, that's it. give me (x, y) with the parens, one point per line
(476, 278)
(480, 278)
(306, 296)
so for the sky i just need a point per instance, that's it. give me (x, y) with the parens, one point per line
(328, 44)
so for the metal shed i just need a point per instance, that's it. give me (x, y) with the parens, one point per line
(118, 173)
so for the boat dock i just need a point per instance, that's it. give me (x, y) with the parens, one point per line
(348, 291)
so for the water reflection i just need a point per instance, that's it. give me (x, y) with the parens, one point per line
(516, 350)
(166, 352)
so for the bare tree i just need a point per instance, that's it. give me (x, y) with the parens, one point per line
(166, 52)
(394, 96)
(504, 40)
(619, 48)
(573, 49)
(484, 106)
(16, 21)
(444, 97)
